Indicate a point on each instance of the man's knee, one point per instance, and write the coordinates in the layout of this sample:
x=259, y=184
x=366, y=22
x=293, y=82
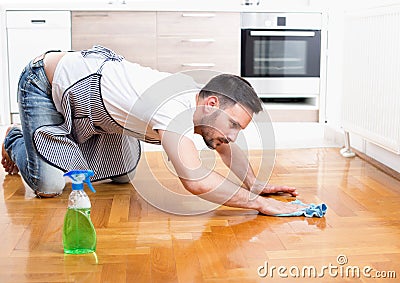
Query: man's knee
x=51, y=184
x=51, y=188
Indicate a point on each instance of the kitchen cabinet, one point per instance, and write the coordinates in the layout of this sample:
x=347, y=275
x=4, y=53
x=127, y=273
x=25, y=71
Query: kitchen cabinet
x=131, y=34
x=194, y=40
x=29, y=34
x=167, y=41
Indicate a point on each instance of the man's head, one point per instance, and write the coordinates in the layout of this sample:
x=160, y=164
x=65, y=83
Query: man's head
x=231, y=89
x=227, y=104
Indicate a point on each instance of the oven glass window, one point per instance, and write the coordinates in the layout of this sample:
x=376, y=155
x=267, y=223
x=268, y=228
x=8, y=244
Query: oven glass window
x=280, y=56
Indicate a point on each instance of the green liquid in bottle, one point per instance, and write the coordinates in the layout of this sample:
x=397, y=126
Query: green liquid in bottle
x=79, y=235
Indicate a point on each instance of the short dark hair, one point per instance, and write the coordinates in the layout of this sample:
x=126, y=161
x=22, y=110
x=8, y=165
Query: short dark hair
x=232, y=89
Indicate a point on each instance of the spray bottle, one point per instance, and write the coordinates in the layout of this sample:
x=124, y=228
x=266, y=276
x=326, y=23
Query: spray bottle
x=79, y=235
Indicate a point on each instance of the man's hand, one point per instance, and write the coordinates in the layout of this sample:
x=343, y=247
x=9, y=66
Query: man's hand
x=270, y=206
x=263, y=188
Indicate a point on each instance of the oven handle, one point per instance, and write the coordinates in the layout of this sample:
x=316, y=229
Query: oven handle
x=281, y=33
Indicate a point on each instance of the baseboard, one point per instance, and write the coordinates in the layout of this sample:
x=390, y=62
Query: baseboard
x=391, y=172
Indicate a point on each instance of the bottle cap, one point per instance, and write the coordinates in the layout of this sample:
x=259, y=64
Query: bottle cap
x=79, y=177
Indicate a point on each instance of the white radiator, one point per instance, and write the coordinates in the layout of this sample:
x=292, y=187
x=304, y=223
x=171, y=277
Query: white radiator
x=371, y=85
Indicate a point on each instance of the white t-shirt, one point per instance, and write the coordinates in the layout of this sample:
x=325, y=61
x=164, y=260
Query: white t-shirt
x=130, y=95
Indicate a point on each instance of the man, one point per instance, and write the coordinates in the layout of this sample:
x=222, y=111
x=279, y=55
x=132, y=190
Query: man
x=87, y=110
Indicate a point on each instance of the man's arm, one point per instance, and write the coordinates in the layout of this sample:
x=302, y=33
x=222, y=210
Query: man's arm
x=236, y=160
x=210, y=185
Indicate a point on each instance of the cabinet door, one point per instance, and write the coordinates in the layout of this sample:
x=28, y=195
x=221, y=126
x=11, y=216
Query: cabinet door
x=131, y=34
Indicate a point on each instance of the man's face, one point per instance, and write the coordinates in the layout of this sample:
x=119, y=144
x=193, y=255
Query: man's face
x=223, y=126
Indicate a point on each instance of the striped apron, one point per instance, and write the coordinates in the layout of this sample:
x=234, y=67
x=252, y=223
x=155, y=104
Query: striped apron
x=89, y=138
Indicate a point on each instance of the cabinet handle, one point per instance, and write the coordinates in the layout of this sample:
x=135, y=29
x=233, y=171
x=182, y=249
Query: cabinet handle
x=198, y=65
x=92, y=15
x=198, y=15
x=200, y=40
x=38, y=21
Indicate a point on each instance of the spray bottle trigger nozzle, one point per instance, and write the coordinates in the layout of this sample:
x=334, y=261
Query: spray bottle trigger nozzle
x=79, y=177
x=89, y=184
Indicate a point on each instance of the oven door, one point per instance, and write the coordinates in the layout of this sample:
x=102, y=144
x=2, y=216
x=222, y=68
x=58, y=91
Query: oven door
x=280, y=53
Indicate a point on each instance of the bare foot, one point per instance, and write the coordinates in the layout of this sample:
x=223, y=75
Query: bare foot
x=8, y=164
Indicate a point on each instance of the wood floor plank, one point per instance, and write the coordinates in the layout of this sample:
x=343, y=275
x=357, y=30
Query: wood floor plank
x=120, y=209
x=138, y=268
x=100, y=212
x=163, y=266
x=113, y=272
x=9, y=237
x=226, y=243
x=187, y=262
x=211, y=263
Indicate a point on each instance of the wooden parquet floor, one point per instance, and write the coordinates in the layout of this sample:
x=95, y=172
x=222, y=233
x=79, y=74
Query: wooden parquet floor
x=139, y=243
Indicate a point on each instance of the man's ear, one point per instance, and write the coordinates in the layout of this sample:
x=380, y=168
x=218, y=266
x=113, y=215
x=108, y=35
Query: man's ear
x=211, y=103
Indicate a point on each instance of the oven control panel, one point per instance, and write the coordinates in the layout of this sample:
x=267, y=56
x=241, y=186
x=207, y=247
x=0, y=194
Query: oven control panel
x=281, y=20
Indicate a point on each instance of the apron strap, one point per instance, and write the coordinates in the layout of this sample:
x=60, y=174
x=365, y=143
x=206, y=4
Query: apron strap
x=108, y=54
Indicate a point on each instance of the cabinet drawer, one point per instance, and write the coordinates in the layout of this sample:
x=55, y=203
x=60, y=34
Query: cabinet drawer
x=38, y=19
x=219, y=65
x=114, y=23
x=197, y=23
x=198, y=47
x=131, y=34
x=173, y=64
x=133, y=49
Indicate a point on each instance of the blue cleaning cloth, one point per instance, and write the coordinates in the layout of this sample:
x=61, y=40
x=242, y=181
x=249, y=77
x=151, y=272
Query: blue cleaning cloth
x=309, y=210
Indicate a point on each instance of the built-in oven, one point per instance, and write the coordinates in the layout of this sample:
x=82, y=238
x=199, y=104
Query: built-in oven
x=281, y=55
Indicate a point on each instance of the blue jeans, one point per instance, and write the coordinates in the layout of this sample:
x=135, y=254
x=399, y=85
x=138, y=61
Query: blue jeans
x=36, y=108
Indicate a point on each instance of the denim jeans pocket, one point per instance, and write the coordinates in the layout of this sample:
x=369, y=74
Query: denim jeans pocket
x=40, y=82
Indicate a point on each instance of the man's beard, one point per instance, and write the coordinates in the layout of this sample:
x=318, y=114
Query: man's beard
x=212, y=143
x=206, y=133
x=207, y=129
x=209, y=143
